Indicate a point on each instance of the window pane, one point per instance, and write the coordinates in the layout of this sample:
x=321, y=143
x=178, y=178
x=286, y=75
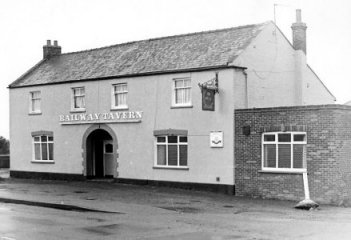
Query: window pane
x=284, y=156
x=179, y=96
x=298, y=152
x=172, y=155
x=186, y=95
x=51, y=138
x=269, y=138
x=35, y=105
x=285, y=137
x=179, y=83
x=172, y=139
x=51, y=151
x=299, y=137
x=36, y=139
x=79, y=102
x=187, y=83
x=43, y=138
x=120, y=88
x=161, y=155
x=183, y=155
x=37, y=151
x=44, y=151
x=108, y=148
x=183, y=139
x=269, y=155
x=161, y=139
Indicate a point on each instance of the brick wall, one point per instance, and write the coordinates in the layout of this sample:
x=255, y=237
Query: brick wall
x=328, y=153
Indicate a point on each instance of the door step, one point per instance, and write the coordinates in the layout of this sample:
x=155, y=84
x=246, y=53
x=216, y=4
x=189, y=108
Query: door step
x=108, y=180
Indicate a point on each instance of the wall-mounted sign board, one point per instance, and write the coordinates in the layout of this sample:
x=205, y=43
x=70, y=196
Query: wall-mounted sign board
x=216, y=139
x=111, y=117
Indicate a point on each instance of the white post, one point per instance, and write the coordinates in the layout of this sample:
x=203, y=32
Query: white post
x=305, y=186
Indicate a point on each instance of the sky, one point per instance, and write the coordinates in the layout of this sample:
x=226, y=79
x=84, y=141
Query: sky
x=25, y=25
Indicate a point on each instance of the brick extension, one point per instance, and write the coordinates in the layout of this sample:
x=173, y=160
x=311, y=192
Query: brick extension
x=328, y=153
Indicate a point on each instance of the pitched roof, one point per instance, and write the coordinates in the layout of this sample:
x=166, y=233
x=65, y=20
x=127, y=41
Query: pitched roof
x=167, y=54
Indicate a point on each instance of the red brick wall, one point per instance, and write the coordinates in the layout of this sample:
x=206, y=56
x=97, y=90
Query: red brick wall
x=328, y=153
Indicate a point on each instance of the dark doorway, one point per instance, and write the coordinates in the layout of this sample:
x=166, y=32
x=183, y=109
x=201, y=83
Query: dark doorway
x=95, y=153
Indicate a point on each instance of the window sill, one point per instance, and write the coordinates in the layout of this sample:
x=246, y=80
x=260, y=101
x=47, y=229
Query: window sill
x=34, y=113
x=297, y=171
x=43, y=161
x=181, y=106
x=77, y=111
x=119, y=108
x=170, y=168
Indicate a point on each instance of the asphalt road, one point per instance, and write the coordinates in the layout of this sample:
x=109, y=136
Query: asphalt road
x=143, y=212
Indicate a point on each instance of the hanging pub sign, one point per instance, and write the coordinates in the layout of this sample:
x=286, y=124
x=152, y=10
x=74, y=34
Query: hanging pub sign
x=208, y=99
x=208, y=91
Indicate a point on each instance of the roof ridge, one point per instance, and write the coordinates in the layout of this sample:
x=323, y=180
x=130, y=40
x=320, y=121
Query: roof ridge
x=171, y=36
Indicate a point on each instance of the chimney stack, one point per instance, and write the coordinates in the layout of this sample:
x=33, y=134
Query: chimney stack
x=51, y=50
x=299, y=32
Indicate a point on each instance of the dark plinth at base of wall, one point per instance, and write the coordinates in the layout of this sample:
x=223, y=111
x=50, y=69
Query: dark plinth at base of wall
x=47, y=176
x=220, y=188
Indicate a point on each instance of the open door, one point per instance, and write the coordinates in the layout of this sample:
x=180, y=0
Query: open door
x=108, y=158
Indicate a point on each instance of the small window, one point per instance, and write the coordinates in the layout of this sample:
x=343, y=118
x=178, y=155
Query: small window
x=35, y=102
x=182, y=92
x=171, y=151
x=78, y=99
x=108, y=148
x=283, y=151
x=119, y=96
x=43, y=148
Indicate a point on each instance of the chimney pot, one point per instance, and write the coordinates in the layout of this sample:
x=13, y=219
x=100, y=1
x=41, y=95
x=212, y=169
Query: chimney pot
x=298, y=15
x=51, y=50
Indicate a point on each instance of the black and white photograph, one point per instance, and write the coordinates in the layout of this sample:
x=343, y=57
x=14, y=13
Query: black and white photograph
x=175, y=119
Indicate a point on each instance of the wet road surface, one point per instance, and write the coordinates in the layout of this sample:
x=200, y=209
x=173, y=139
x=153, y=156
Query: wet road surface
x=143, y=212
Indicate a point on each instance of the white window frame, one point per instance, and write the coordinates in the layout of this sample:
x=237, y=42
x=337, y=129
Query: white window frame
x=41, y=152
x=31, y=100
x=174, y=88
x=114, y=94
x=73, y=108
x=166, y=143
x=291, y=143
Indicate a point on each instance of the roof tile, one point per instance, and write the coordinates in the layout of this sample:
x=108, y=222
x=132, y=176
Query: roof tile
x=181, y=52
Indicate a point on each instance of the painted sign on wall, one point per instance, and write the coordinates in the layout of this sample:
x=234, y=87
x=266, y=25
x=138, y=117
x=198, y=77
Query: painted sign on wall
x=111, y=117
x=216, y=139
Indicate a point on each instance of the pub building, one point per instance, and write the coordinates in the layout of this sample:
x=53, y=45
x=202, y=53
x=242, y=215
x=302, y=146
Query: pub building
x=157, y=111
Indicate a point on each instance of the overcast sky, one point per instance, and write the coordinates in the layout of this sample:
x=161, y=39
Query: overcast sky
x=25, y=26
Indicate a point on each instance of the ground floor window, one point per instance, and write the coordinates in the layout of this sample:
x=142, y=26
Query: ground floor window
x=284, y=151
x=43, y=147
x=171, y=151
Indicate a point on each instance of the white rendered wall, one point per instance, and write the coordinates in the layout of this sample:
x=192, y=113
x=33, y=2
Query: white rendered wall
x=152, y=95
x=270, y=61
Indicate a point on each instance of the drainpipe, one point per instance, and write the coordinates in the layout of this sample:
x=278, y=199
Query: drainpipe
x=246, y=90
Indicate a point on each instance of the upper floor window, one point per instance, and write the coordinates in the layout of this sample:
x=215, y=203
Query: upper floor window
x=284, y=151
x=43, y=146
x=119, y=96
x=181, y=92
x=35, y=102
x=78, y=98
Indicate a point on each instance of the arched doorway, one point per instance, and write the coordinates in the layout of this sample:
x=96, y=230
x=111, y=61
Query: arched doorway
x=100, y=152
